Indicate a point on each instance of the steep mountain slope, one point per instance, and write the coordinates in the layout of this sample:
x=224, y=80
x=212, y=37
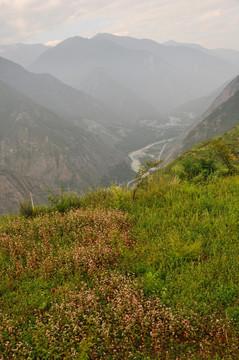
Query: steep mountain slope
x=163, y=76
x=53, y=94
x=200, y=107
x=120, y=98
x=226, y=93
x=14, y=187
x=39, y=145
x=221, y=116
x=229, y=55
x=23, y=54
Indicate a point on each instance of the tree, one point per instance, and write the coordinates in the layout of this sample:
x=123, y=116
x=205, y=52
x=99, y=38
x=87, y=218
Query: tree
x=197, y=165
x=144, y=172
x=224, y=152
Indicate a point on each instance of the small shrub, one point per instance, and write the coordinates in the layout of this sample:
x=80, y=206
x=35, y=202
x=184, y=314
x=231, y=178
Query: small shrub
x=40, y=209
x=63, y=201
x=25, y=208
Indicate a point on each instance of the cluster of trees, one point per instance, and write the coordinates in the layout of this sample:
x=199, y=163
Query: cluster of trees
x=195, y=165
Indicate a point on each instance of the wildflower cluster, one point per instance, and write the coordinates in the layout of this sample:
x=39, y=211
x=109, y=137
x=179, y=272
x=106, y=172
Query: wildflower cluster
x=67, y=291
x=53, y=245
x=112, y=319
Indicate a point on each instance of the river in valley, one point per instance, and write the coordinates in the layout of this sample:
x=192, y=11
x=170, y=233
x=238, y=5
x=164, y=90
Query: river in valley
x=147, y=152
x=153, y=151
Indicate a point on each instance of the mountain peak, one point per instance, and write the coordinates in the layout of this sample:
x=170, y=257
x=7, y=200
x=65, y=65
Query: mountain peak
x=171, y=42
x=74, y=40
x=101, y=35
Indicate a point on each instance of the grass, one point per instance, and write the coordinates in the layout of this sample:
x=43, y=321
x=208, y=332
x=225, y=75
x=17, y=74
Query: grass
x=113, y=278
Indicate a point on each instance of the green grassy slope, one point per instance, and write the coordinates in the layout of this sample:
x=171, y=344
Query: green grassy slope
x=154, y=278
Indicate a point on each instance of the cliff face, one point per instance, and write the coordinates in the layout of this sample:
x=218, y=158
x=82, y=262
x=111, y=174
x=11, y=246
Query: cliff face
x=41, y=150
x=228, y=92
x=14, y=187
x=222, y=115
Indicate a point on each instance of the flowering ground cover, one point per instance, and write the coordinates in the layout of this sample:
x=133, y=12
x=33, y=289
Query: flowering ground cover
x=153, y=278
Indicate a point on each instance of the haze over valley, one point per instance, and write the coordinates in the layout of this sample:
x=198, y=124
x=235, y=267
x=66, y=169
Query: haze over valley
x=83, y=112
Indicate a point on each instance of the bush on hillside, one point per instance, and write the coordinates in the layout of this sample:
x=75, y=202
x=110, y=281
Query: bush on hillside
x=25, y=208
x=63, y=201
x=194, y=166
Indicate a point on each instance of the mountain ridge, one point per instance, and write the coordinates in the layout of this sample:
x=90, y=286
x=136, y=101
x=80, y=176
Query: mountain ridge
x=49, y=92
x=163, y=76
x=23, y=54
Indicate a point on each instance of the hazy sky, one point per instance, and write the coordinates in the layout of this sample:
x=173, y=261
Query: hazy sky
x=211, y=23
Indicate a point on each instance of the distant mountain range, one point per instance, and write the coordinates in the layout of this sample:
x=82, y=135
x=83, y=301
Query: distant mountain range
x=163, y=76
x=23, y=54
x=86, y=103
x=49, y=92
x=229, y=55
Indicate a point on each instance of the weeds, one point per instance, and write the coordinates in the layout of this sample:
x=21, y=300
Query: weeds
x=151, y=278
x=25, y=208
